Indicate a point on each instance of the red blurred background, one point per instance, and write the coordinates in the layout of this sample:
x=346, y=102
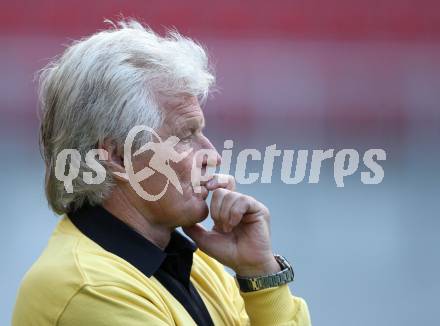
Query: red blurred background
x=360, y=61
x=310, y=74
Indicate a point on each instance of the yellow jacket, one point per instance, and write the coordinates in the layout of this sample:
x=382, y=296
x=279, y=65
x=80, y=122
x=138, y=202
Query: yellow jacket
x=77, y=282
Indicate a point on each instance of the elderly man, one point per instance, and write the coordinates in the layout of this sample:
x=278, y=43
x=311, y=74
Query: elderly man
x=116, y=258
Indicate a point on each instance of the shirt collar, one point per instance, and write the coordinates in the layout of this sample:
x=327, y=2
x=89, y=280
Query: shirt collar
x=118, y=238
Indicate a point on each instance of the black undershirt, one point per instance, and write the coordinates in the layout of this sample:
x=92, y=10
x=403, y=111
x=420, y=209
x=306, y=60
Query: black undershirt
x=171, y=267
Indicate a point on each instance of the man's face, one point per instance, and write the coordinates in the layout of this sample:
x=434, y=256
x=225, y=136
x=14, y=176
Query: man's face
x=183, y=118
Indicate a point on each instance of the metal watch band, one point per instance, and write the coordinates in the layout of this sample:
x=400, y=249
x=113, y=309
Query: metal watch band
x=286, y=275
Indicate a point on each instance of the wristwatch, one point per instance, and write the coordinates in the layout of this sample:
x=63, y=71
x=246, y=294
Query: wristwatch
x=286, y=275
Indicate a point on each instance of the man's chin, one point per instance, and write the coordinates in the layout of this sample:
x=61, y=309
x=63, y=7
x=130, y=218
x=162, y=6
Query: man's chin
x=197, y=214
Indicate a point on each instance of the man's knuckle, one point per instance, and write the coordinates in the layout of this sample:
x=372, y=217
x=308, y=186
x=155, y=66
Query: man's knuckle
x=229, y=195
x=217, y=193
x=223, y=191
x=236, y=211
x=265, y=209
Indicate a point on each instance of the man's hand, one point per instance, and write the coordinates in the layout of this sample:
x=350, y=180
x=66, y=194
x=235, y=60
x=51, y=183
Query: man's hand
x=240, y=238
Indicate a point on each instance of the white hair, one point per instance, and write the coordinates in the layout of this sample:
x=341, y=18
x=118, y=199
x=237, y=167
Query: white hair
x=105, y=84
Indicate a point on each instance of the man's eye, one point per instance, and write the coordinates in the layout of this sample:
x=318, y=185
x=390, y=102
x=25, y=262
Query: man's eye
x=186, y=139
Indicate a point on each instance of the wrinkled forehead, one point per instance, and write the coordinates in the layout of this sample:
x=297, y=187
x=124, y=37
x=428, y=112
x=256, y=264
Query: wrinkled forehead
x=171, y=102
x=183, y=112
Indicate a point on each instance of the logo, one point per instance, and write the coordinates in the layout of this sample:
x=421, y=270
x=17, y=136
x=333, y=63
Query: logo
x=163, y=153
x=346, y=164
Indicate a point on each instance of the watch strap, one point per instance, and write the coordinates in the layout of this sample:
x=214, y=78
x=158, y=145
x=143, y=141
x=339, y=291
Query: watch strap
x=286, y=275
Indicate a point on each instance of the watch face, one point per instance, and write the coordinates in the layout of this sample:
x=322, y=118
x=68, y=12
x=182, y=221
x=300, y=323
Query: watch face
x=282, y=261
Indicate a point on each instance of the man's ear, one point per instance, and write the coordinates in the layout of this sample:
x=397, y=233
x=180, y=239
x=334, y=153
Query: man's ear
x=115, y=161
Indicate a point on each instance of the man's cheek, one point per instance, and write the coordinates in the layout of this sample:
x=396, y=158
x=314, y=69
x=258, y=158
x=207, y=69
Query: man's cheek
x=183, y=169
x=154, y=184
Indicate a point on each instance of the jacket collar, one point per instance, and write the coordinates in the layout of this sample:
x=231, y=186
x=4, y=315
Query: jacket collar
x=118, y=238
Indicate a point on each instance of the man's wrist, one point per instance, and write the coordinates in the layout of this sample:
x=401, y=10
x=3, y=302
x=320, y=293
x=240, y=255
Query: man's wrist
x=270, y=266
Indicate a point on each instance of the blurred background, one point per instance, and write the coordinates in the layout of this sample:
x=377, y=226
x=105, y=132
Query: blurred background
x=300, y=74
